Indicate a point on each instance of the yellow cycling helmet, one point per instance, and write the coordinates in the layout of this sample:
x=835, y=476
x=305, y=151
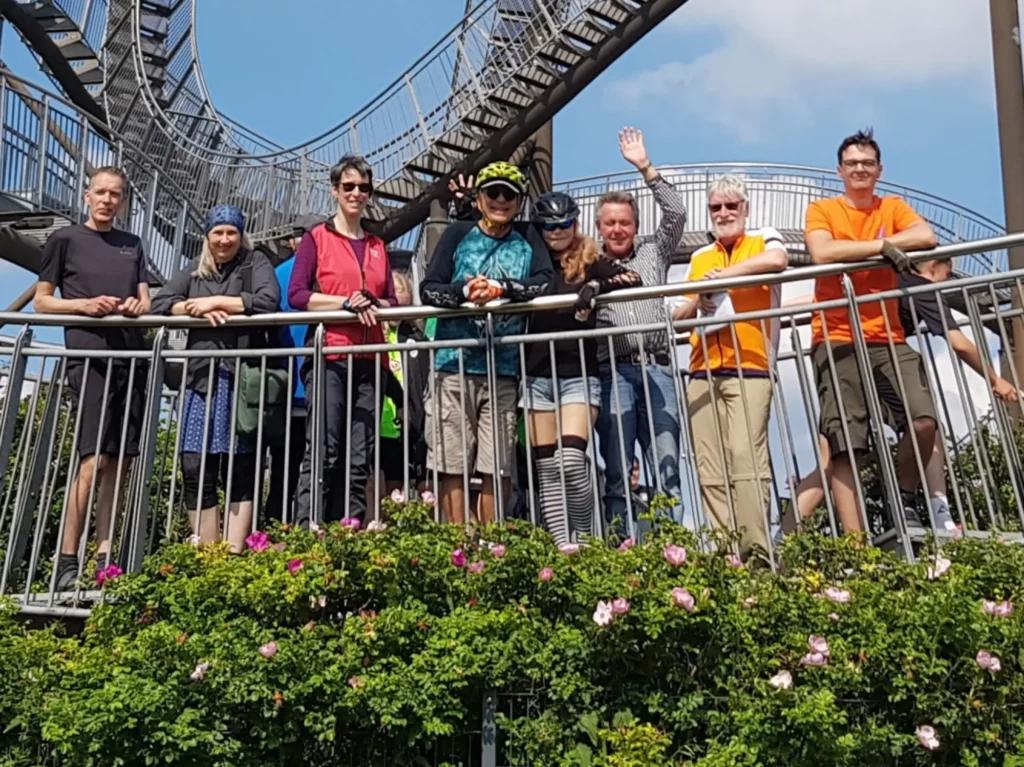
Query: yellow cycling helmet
x=503, y=174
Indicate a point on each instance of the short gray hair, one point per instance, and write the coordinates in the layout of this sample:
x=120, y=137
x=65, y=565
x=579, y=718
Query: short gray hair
x=618, y=197
x=728, y=185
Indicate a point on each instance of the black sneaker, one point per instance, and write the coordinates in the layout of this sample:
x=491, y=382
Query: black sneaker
x=67, y=573
x=908, y=499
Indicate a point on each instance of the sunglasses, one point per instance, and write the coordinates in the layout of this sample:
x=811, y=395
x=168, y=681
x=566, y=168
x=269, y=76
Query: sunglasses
x=351, y=186
x=730, y=206
x=502, y=192
x=555, y=227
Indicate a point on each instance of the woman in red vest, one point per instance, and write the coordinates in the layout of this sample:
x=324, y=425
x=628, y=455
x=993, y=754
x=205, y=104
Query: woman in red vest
x=340, y=266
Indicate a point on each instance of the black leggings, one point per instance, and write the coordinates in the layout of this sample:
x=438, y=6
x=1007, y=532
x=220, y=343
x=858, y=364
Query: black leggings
x=242, y=478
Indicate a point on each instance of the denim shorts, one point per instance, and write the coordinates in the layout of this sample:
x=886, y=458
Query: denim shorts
x=540, y=392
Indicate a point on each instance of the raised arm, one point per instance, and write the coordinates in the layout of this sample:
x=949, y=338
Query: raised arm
x=668, y=200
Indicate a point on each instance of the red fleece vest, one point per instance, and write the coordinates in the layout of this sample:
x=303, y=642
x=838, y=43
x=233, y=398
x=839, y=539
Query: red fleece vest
x=338, y=274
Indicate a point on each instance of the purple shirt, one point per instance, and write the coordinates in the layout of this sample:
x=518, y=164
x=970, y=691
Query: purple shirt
x=301, y=286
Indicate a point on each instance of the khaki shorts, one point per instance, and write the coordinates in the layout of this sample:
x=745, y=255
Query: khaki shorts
x=895, y=411
x=472, y=437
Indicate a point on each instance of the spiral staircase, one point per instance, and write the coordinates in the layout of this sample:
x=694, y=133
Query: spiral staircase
x=132, y=67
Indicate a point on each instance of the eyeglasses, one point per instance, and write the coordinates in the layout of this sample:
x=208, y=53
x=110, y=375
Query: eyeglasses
x=560, y=225
x=494, y=192
x=351, y=186
x=732, y=207
x=866, y=164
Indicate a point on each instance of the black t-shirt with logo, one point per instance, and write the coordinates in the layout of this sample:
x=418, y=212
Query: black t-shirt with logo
x=84, y=263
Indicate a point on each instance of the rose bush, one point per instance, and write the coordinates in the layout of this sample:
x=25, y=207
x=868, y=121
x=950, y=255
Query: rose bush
x=385, y=645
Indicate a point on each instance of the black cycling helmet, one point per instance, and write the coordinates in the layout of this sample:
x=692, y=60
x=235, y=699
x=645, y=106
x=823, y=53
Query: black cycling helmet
x=554, y=208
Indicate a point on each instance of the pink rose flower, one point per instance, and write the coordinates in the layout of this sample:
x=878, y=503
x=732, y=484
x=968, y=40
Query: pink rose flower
x=927, y=737
x=818, y=645
x=315, y=528
x=294, y=566
x=352, y=523
x=497, y=550
x=428, y=498
x=683, y=598
x=397, y=496
x=620, y=606
x=675, y=555
x=814, y=659
x=569, y=548
x=269, y=650
x=459, y=558
x=546, y=574
x=356, y=683
x=603, y=615
x=476, y=568
x=988, y=661
x=108, y=573
x=733, y=561
x=627, y=544
x=376, y=526
x=998, y=609
x=837, y=595
x=258, y=541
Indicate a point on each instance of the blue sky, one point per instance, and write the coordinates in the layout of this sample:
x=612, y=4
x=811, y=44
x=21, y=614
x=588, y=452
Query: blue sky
x=739, y=80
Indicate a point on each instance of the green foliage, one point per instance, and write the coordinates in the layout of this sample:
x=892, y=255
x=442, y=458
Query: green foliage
x=386, y=653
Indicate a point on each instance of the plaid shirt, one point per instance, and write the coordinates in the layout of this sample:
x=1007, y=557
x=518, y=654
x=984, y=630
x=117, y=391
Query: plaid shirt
x=652, y=261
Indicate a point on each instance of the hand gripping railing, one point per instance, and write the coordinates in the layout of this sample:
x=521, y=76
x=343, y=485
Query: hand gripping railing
x=39, y=453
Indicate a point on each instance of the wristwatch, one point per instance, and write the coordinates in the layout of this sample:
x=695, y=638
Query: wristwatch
x=645, y=168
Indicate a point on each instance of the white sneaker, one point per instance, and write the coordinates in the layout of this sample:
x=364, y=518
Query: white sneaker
x=943, y=519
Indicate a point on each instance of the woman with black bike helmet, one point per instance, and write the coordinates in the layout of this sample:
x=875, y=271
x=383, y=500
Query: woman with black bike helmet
x=568, y=509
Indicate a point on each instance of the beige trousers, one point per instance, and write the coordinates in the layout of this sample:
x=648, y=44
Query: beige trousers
x=733, y=426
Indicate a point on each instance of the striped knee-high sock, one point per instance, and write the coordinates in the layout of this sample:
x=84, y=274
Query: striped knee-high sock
x=549, y=488
x=579, y=490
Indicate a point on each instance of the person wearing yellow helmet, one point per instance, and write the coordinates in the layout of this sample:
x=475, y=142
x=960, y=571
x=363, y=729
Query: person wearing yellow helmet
x=470, y=425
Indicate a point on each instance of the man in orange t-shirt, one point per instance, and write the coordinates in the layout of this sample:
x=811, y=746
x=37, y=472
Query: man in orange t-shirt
x=854, y=227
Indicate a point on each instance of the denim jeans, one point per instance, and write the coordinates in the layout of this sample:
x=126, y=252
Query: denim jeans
x=661, y=452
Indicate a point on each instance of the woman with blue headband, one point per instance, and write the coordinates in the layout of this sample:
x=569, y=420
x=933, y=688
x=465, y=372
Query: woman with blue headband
x=228, y=278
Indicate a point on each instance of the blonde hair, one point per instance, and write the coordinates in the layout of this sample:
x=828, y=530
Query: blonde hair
x=578, y=257
x=207, y=266
x=402, y=284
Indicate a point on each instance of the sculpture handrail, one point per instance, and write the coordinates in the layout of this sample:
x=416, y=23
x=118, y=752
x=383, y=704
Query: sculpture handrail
x=546, y=302
x=605, y=179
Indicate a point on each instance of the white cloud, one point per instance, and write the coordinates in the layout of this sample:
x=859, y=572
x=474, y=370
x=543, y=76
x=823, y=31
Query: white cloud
x=784, y=57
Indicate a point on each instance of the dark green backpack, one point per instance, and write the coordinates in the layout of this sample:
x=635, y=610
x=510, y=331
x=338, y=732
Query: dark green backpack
x=248, y=410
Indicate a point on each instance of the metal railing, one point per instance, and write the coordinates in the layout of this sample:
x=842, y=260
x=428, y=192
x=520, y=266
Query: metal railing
x=49, y=149
x=152, y=396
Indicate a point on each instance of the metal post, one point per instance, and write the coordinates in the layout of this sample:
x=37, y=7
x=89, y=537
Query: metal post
x=44, y=124
x=419, y=112
x=1009, y=82
x=12, y=397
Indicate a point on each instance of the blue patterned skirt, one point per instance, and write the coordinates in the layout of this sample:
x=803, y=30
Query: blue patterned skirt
x=218, y=438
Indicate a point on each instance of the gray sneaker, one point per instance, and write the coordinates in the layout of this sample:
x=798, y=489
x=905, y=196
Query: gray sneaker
x=67, y=573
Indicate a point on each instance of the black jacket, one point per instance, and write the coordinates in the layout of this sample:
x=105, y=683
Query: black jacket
x=263, y=296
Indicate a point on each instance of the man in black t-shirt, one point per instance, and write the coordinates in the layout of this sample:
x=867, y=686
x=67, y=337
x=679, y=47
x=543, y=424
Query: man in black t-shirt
x=99, y=271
